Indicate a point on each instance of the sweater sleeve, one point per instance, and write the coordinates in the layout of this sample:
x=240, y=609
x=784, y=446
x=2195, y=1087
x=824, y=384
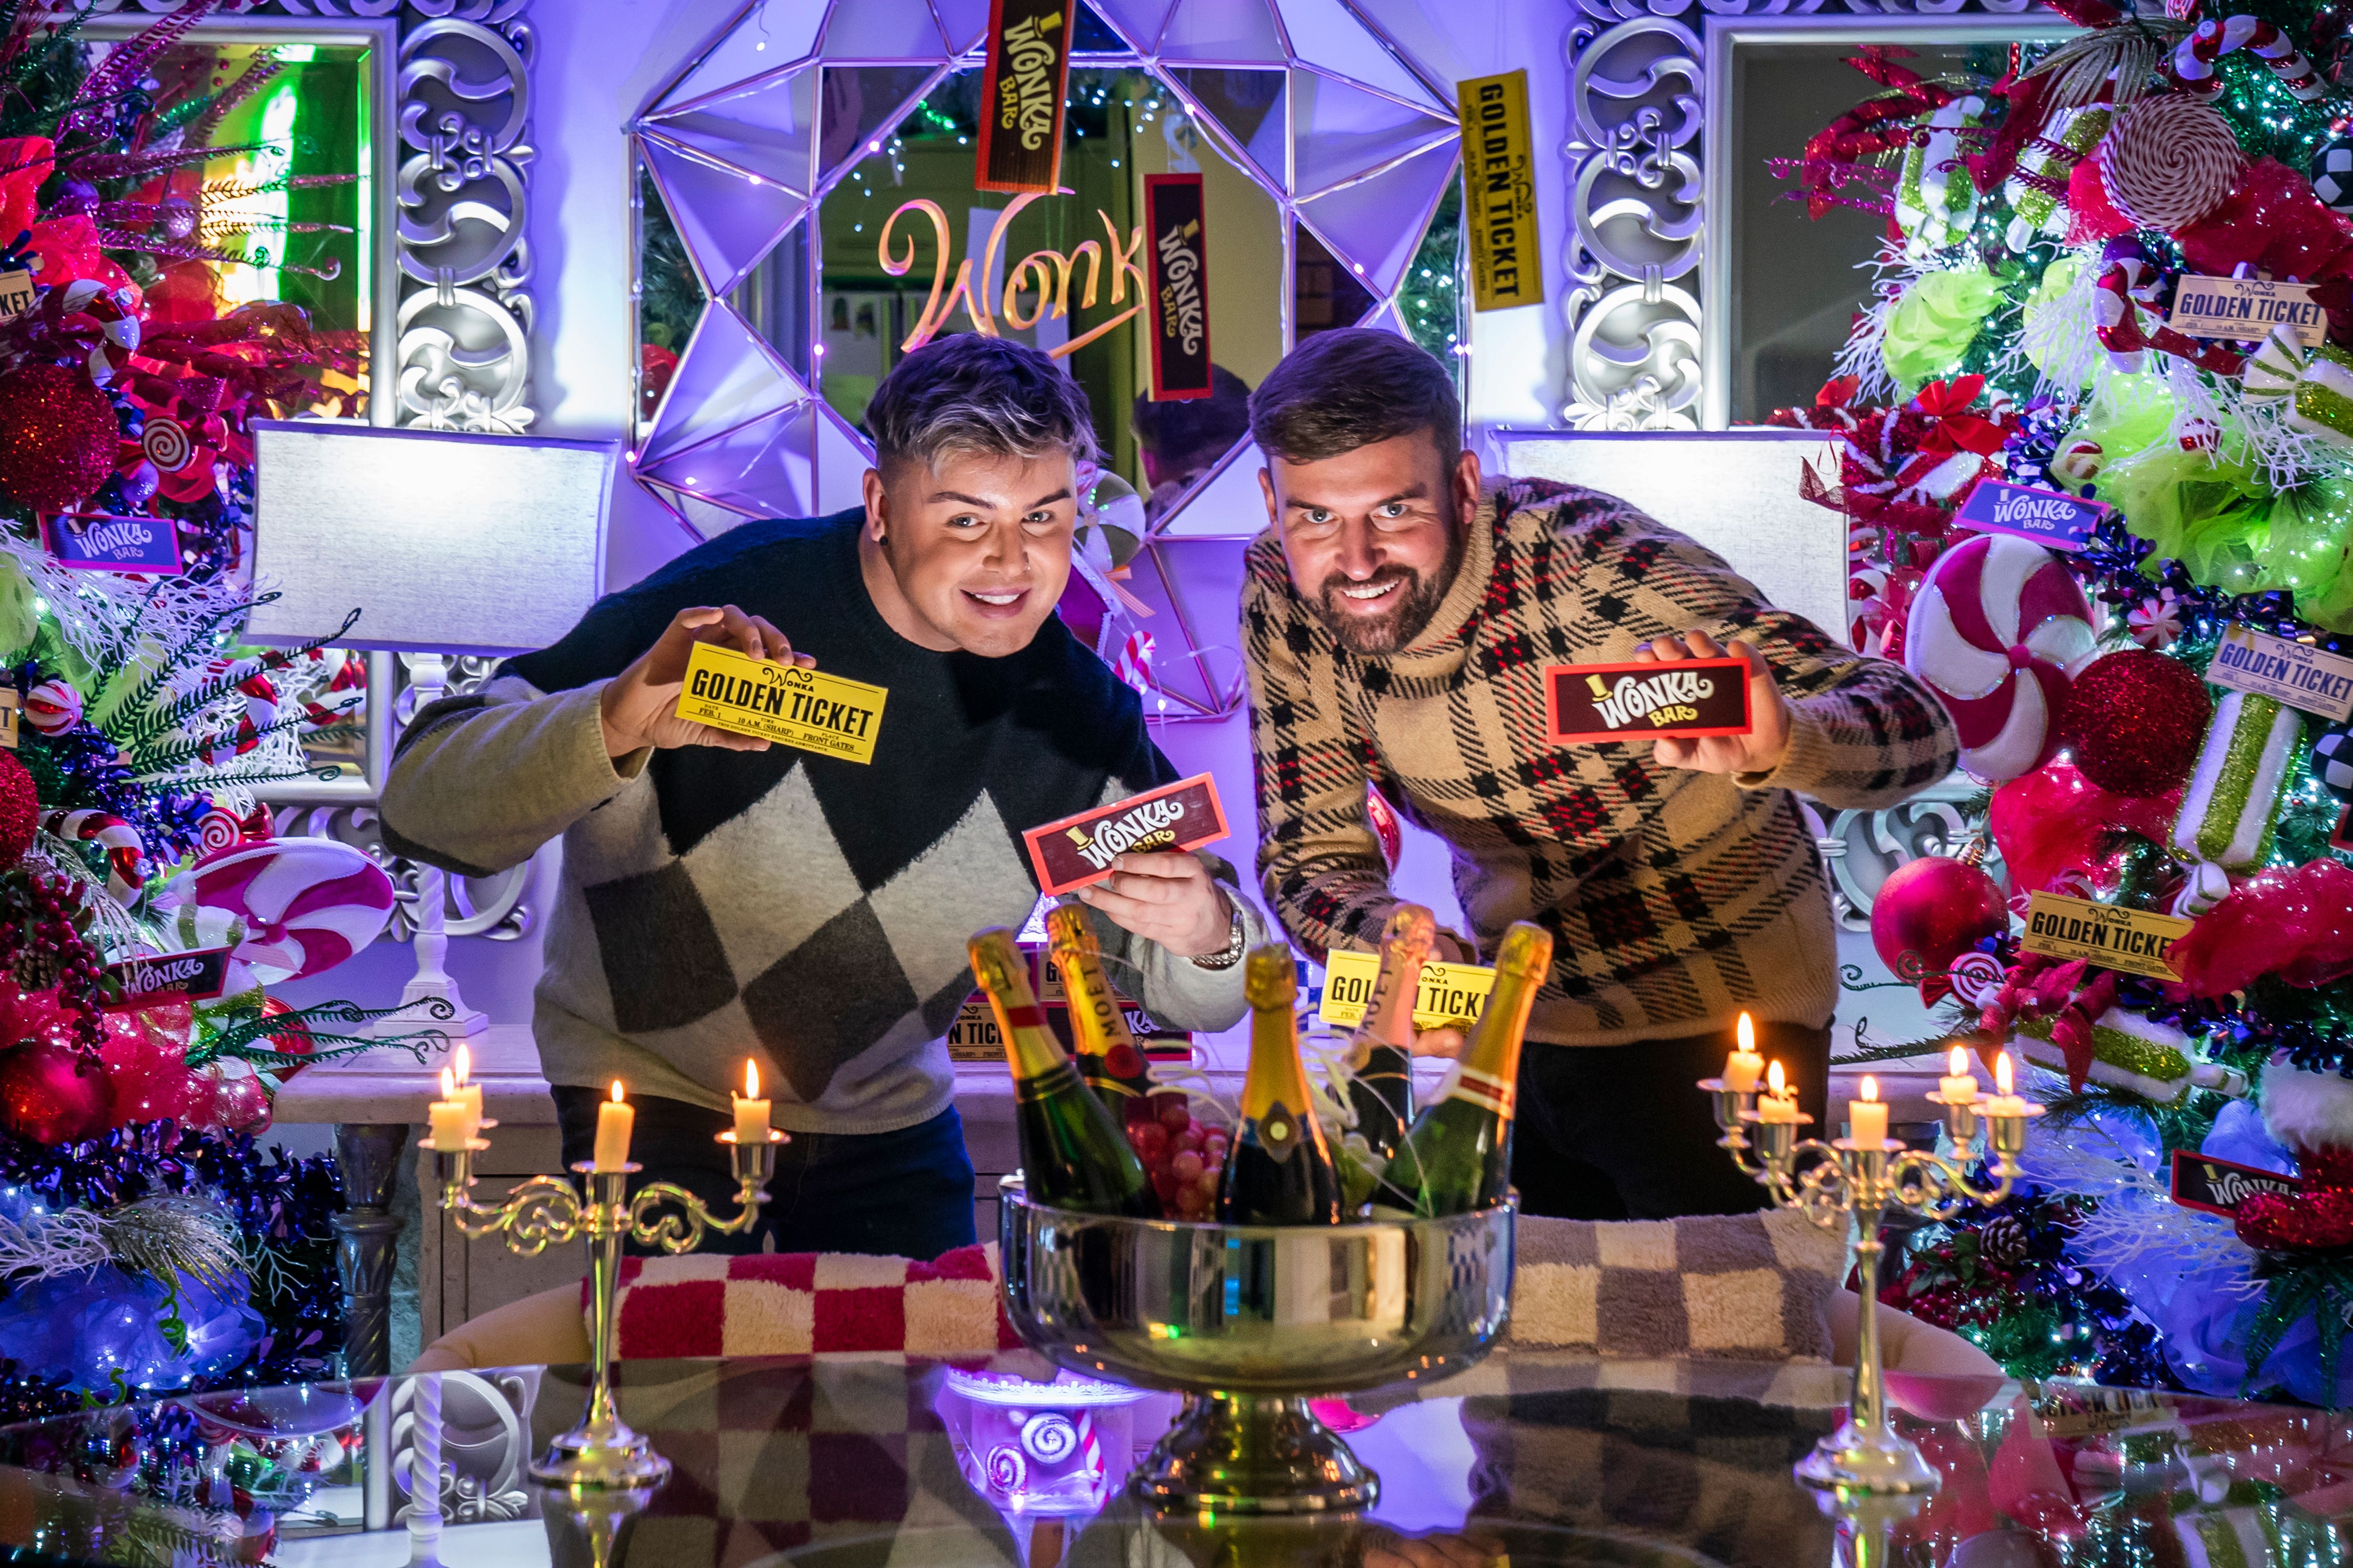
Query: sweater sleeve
x=481, y=781
x=1319, y=862
x=1863, y=733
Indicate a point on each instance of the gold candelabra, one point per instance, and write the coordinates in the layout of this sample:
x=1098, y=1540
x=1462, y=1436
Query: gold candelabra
x=601, y=1454
x=1848, y=1181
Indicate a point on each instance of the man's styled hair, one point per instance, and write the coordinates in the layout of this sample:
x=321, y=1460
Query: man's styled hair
x=1197, y=430
x=972, y=393
x=1349, y=388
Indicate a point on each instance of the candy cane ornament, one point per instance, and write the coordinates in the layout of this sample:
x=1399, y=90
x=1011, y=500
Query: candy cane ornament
x=126, y=852
x=2116, y=323
x=52, y=707
x=2192, y=67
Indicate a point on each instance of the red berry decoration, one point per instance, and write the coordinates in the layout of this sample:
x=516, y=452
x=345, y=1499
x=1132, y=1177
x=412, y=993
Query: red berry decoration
x=2133, y=721
x=57, y=435
x=1930, y=912
x=20, y=810
x=54, y=1094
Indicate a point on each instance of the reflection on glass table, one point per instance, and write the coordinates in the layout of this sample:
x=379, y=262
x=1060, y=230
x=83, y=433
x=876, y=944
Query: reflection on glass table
x=1531, y=1458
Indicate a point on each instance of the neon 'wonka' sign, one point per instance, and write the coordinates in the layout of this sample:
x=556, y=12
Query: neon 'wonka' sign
x=1051, y=269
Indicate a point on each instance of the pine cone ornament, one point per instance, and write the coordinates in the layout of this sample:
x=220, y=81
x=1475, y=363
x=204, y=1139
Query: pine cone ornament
x=2002, y=1241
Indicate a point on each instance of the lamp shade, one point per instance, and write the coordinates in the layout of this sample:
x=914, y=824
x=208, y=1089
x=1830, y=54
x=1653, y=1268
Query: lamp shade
x=445, y=543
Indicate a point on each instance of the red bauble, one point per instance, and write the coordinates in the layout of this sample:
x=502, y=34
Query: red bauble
x=20, y=810
x=57, y=437
x=294, y=1041
x=53, y=1095
x=2133, y=721
x=1932, y=910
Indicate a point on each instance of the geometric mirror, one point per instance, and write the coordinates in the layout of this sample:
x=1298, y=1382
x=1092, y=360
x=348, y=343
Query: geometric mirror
x=808, y=176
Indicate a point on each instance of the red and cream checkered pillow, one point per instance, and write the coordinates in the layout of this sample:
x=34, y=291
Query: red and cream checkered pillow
x=810, y=1303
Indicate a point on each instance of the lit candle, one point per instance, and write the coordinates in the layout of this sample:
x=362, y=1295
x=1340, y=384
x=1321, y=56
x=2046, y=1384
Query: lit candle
x=461, y=1065
x=451, y=1131
x=1780, y=1101
x=1866, y=1119
x=2004, y=1103
x=1960, y=1085
x=615, y=1117
x=751, y=1110
x=1743, y=1066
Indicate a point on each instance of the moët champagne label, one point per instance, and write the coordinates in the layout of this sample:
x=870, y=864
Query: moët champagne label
x=2109, y=936
x=1071, y=853
x=1450, y=995
x=1687, y=697
x=782, y=703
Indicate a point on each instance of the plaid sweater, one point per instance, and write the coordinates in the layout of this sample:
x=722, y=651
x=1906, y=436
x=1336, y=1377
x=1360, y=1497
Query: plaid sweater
x=1675, y=900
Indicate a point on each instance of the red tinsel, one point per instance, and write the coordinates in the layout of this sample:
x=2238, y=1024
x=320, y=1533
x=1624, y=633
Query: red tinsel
x=2273, y=222
x=2054, y=824
x=2295, y=922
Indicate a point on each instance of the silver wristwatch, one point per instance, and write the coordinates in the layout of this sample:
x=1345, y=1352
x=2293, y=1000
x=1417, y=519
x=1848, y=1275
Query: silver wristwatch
x=1231, y=953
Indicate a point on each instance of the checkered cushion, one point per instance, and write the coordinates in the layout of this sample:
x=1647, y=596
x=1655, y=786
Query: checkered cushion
x=811, y=1303
x=1753, y=1287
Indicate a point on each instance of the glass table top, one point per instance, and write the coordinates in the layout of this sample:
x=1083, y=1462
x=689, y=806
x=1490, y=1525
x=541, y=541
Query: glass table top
x=1527, y=1460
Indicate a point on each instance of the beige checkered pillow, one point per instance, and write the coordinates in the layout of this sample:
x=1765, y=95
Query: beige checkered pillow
x=1753, y=1287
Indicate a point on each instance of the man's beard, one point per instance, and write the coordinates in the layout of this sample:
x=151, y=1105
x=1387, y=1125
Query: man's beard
x=1412, y=605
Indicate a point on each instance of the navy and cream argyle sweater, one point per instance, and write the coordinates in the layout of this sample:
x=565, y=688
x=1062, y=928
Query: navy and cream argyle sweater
x=805, y=910
x=1675, y=900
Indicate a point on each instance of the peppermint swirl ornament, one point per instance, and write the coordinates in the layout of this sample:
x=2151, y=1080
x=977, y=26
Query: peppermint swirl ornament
x=2169, y=161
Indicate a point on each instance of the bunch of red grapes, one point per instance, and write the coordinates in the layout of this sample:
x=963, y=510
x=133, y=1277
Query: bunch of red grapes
x=1183, y=1157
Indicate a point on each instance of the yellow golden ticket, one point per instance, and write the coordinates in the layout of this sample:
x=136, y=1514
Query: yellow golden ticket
x=2134, y=941
x=1451, y=995
x=784, y=703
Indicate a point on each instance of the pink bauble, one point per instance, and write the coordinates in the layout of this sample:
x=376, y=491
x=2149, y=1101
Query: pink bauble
x=1929, y=912
x=53, y=1095
x=1997, y=630
x=308, y=903
x=240, y=1100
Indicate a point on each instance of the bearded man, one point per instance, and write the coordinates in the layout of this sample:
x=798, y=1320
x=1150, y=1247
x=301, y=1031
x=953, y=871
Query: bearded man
x=1397, y=618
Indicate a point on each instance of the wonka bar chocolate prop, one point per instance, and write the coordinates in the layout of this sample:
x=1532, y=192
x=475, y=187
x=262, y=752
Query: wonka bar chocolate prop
x=1173, y=216
x=782, y=703
x=1078, y=850
x=1649, y=701
x=1024, y=94
x=165, y=978
x=2219, y=1186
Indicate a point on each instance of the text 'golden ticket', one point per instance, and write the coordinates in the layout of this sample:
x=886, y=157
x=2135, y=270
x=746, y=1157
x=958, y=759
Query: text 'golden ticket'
x=2137, y=941
x=784, y=703
x=1450, y=994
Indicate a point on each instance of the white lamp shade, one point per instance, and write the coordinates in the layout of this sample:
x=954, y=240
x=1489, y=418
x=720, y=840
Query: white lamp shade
x=445, y=543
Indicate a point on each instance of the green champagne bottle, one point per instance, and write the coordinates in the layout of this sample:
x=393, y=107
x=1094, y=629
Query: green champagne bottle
x=1073, y=1155
x=1380, y=1054
x=1279, y=1170
x=1107, y=1054
x=1459, y=1155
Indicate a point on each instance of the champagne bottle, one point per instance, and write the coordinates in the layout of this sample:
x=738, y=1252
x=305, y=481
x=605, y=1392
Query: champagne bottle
x=1279, y=1170
x=1073, y=1154
x=1107, y=1054
x=1380, y=1055
x=1459, y=1155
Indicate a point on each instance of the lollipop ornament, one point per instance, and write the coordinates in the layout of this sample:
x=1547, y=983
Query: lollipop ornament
x=1860, y=1179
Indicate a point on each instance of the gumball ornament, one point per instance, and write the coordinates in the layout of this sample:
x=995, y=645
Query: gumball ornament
x=2134, y=720
x=1931, y=910
x=57, y=437
x=1997, y=630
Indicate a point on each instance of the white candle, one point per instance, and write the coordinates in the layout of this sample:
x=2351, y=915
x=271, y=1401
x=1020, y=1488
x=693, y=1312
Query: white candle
x=2004, y=1103
x=1780, y=1099
x=615, y=1119
x=1743, y=1066
x=1866, y=1119
x=751, y=1110
x=1958, y=1086
x=461, y=1065
x=451, y=1131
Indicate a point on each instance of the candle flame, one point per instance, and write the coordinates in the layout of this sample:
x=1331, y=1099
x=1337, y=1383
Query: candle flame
x=2001, y=1071
x=1960, y=1062
x=751, y=1079
x=617, y=1092
x=463, y=1062
x=448, y=1088
x=1869, y=1087
x=1746, y=1033
x=1773, y=1077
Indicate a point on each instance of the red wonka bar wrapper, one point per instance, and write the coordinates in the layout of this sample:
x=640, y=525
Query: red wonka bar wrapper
x=1077, y=850
x=1684, y=697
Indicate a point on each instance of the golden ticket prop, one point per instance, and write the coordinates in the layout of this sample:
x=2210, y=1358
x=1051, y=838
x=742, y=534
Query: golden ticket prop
x=781, y=702
x=2134, y=941
x=2246, y=310
x=1450, y=994
x=2294, y=673
x=1499, y=192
